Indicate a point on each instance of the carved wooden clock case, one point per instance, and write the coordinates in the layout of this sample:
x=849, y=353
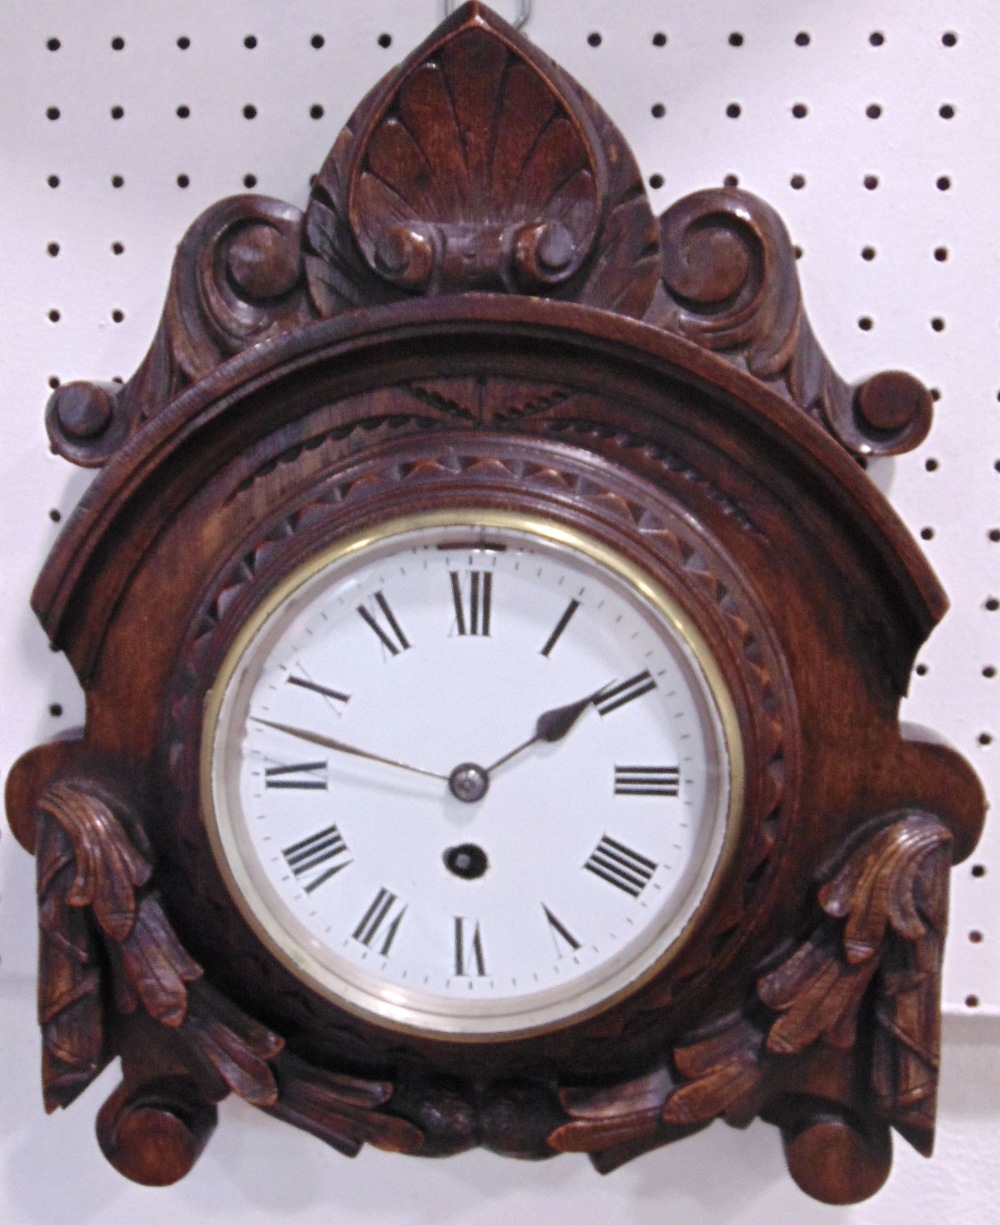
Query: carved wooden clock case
x=473, y=437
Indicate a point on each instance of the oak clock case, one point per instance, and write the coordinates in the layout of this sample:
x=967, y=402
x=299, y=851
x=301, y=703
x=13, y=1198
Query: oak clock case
x=380, y=820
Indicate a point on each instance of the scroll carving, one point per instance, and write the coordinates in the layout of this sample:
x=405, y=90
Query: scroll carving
x=731, y=286
x=878, y=943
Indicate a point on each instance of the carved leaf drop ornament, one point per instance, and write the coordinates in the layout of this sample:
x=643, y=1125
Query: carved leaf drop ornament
x=477, y=316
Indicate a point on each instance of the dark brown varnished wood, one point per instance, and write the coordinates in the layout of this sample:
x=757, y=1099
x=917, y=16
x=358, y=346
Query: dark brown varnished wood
x=478, y=309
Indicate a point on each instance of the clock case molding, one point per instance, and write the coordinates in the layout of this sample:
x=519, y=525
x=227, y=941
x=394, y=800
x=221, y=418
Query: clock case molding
x=478, y=308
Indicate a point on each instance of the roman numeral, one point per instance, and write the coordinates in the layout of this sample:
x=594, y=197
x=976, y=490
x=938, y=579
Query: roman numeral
x=374, y=922
x=468, y=951
x=472, y=610
x=620, y=866
x=627, y=691
x=648, y=780
x=335, y=694
x=560, y=932
x=305, y=776
x=316, y=854
x=561, y=624
x=384, y=625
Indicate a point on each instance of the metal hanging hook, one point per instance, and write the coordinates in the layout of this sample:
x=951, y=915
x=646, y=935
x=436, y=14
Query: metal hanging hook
x=519, y=22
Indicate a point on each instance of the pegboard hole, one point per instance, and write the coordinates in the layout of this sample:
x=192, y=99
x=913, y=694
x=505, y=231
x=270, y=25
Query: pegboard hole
x=866, y=323
x=926, y=533
x=800, y=110
x=52, y=113
x=249, y=112
x=985, y=739
x=944, y=183
x=54, y=381
x=118, y=43
x=656, y=181
x=385, y=40
x=736, y=39
x=183, y=112
x=797, y=252
x=250, y=42
x=594, y=39
x=868, y=253
x=931, y=465
x=991, y=605
x=978, y=870
x=184, y=42
x=972, y=1001
x=53, y=180
x=731, y=180
x=55, y=710
x=734, y=110
x=55, y=516
x=797, y=182
x=249, y=180
x=949, y=38
x=876, y=38
x=118, y=248
x=975, y=937
x=316, y=111
x=53, y=249
x=873, y=110
x=319, y=41
x=53, y=44
x=657, y=110
x=989, y=672
x=938, y=324
x=659, y=39
x=118, y=112
x=935, y=394
x=117, y=315
x=802, y=39
x=870, y=182
x=940, y=254
x=117, y=181
x=994, y=534
x=921, y=669
x=183, y=181
x=54, y=316
x=947, y=111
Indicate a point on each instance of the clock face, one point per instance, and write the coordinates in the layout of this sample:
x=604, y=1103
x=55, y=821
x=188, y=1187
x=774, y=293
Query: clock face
x=470, y=774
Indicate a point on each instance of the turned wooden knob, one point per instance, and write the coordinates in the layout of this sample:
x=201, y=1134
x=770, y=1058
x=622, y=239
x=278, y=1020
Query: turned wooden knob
x=836, y=1162
x=154, y=1134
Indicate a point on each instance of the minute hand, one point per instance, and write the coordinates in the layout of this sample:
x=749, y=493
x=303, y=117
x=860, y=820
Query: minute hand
x=551, y=726
x=328, y=742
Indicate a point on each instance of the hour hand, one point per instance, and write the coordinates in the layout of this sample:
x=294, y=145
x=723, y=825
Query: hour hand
x=328, y=742
x=552, y=725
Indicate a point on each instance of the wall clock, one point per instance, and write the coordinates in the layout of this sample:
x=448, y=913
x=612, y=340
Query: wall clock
x=493, y=652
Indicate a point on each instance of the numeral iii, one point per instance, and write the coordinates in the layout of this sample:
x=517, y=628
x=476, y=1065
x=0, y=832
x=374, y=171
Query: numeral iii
x=647, y=780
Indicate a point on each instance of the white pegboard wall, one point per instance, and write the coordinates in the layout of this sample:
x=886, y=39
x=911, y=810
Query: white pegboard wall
x=870, y=126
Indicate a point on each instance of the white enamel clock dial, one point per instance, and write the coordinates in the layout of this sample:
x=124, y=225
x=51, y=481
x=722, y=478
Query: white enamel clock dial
x=470, y=774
